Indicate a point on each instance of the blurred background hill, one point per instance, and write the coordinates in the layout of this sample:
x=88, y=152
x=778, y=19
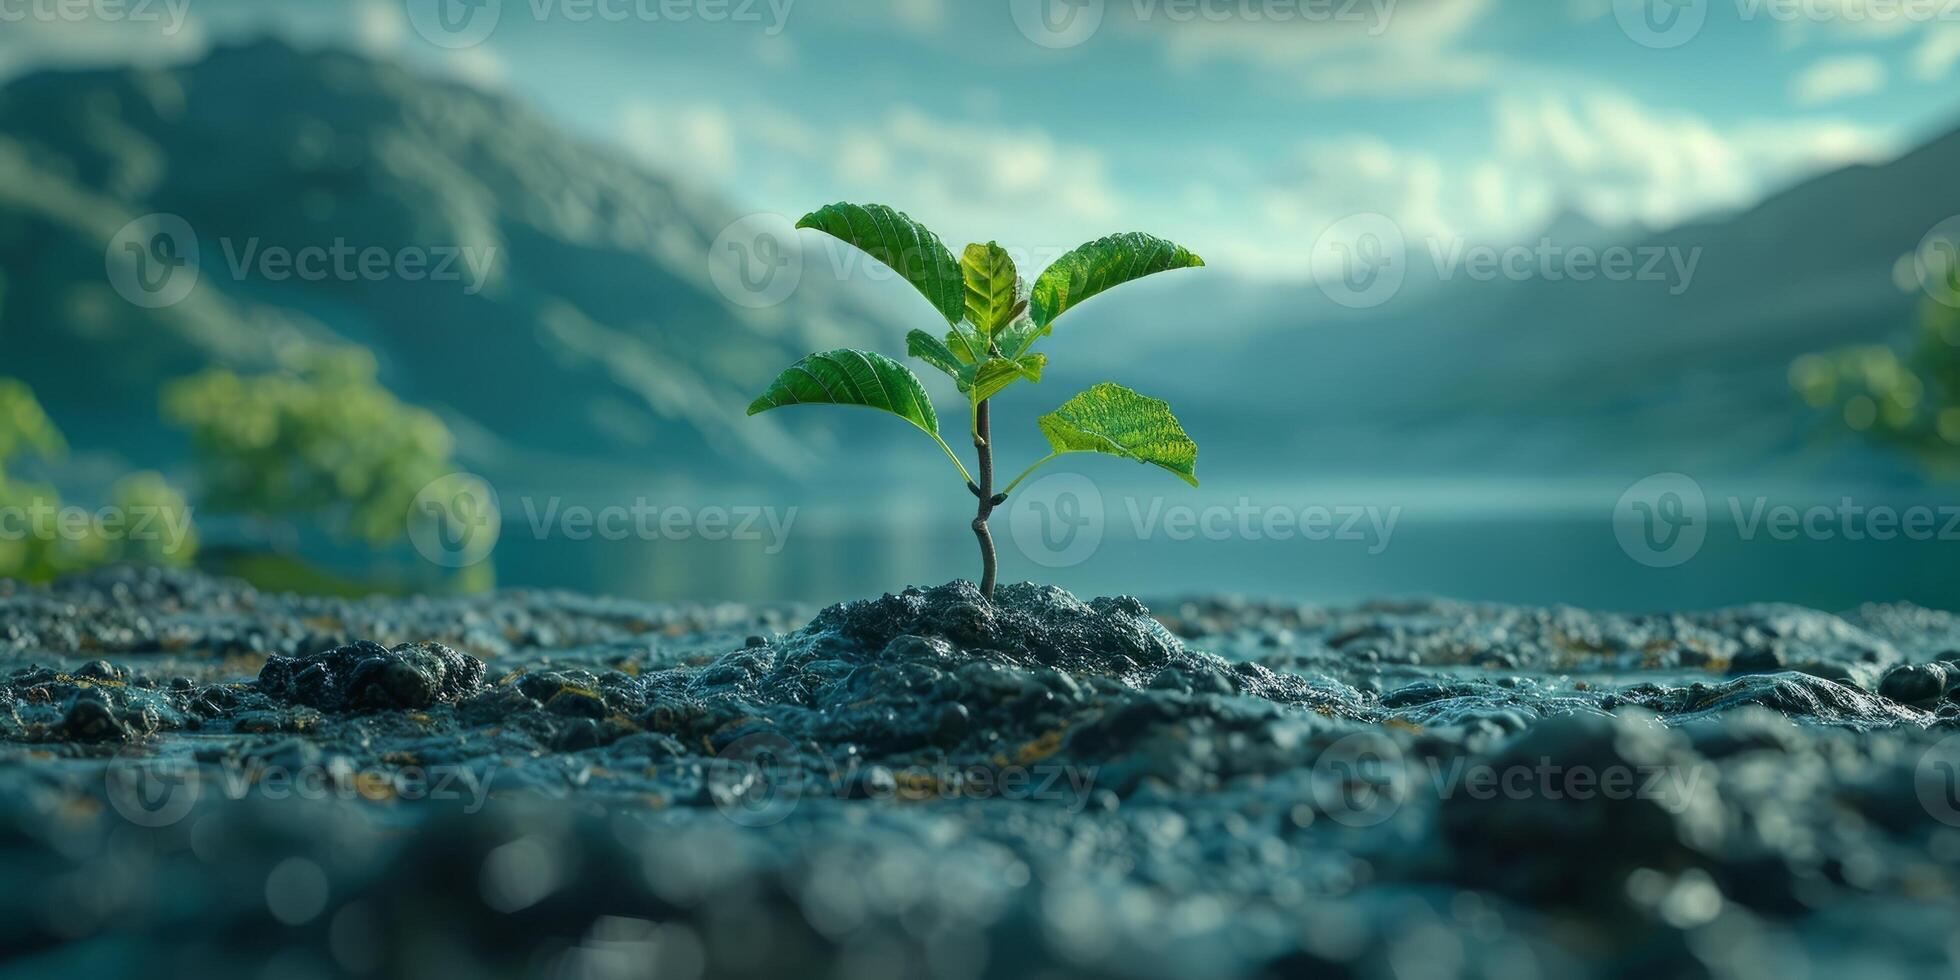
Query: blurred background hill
x=585, y=350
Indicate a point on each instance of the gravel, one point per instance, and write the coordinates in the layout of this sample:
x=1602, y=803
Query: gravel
x=196, y=777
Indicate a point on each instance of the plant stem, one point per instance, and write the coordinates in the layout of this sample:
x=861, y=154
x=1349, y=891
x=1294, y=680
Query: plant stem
x=964, y=475
x=989, y=563
x=1029, y=471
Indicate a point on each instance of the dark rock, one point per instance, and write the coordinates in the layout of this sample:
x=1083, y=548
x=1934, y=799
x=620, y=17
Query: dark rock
x=1566, y=788
x=1762, y=660
x=93, y=716
x=367, y=676
x=1921, y=685
x=101, y=670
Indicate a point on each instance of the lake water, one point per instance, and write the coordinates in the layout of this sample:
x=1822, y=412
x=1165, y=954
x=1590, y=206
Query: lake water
x=1545, y=553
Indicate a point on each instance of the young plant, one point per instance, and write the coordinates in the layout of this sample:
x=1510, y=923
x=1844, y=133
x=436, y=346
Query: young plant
x=995, y=320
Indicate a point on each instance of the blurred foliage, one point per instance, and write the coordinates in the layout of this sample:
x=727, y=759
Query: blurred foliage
x=319, y=439
x=25, y=431
x=146, y=521
x=168, y=537
x=24, y=428
x=1906, y=398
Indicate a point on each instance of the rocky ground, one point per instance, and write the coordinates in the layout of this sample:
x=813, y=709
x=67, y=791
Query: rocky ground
x=195, y=777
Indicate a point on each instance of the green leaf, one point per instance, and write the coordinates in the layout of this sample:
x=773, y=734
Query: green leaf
x=934, y=351
x=852, y=377
x=993, y=376
x=966, y=343
x=901, y=243
x=1100, y=265
x=1113, y=419
x=990, y=286
x=1017, y=337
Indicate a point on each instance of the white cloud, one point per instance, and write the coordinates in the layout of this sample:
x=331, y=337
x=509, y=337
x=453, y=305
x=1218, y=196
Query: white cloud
x=478, y=66
x=1626, y=162
x=166, y=34
x=1867, y=20
x=920, y=16
x=1367, y=48
x=1311, y=30
x=971, y=179
x=1605, y=154
x=1835, y=79
x=1937, y=53
x=379, y=26
x=696, y=141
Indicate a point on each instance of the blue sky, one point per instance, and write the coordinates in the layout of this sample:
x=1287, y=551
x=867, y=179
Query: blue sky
x=1240, y=127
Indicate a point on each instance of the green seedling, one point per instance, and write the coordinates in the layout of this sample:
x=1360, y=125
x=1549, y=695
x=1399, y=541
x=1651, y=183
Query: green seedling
x=995, y=320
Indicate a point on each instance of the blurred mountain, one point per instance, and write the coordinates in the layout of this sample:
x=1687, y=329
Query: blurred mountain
x=1546, y=375
x=598, y=347
x=597, y=338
